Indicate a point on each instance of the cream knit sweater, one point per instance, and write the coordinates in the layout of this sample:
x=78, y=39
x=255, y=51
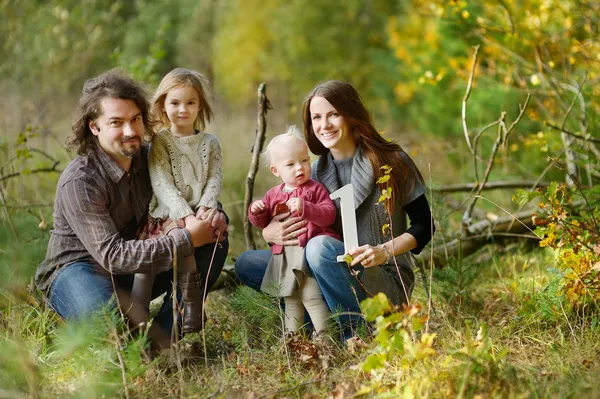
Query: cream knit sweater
x=185, y=173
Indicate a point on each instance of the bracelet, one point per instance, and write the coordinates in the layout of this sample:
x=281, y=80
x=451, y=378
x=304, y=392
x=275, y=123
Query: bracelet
x=387, y=252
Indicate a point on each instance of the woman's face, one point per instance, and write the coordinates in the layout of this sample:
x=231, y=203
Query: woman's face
x=331, y=128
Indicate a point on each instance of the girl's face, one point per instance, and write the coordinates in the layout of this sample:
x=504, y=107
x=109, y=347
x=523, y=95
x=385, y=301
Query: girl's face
x=290, y=162
x=331, y=128
x=182, y=105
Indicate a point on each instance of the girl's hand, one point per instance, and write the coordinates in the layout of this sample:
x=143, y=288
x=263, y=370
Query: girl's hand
x=214, y=217
x=368, y=256
x=257, y=207
x=284, y=232
x=295, y=204
x=201, y=231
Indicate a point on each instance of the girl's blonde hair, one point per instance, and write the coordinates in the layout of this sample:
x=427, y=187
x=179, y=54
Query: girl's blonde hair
x=291, y=132
x=183, y=77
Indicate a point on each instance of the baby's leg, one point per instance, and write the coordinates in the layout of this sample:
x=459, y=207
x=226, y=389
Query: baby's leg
x=141, y=292
x=312, y=298
x=294, y=311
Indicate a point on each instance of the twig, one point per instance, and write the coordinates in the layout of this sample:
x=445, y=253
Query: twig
x=466, y=98
x=175, y=330
x=474, y=150
x=429, y=300
x=28, y=206
x=205, y=293
x=565, y=131
x=495, y=185
x=117, y=343
x=501, y=138
x=8, y=218
x=263, y=106
x=32, y=172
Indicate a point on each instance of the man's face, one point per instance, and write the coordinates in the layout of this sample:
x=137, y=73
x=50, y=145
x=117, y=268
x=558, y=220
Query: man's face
x=120, y=129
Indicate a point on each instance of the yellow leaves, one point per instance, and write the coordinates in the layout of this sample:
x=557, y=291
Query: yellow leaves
x=386, y=194
x=385, y=228
x=386, y=169
x=383, y=179
x=403, y=92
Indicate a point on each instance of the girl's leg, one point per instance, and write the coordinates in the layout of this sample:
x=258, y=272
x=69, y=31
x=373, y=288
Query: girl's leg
x=141, y=292
x=315, y=305
x=203, y=257
x=341, y=290
x=294, y=311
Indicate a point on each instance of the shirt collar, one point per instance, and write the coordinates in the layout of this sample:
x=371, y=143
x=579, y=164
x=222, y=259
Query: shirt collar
x=114, y=170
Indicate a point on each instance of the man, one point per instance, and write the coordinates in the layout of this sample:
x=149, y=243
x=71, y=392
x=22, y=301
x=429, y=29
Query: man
x=102, y=199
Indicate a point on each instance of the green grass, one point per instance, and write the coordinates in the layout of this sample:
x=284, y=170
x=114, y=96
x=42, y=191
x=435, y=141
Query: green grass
x=531, y=350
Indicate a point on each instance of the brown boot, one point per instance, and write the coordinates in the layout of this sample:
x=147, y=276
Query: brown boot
x=190, y=285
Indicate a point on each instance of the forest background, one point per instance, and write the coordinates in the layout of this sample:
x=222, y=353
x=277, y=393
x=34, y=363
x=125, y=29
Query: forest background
x=463, y=87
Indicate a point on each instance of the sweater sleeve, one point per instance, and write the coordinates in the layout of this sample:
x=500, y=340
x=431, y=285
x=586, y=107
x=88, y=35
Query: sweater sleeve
x=163, y=183
x=261, y=220
x=421, y=222
x=322, y=211
x=212, y=189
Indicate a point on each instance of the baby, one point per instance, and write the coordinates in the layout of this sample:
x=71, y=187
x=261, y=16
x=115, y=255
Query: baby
x=287, y=271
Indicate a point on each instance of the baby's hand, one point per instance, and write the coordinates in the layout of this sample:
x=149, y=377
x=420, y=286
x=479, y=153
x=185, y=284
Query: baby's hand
x=295, y=204
x=257, y=207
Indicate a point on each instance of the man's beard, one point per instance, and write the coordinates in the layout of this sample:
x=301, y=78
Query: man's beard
x=133, y=151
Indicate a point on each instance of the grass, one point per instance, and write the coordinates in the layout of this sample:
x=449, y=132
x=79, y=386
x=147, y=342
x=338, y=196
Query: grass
x=531, y=349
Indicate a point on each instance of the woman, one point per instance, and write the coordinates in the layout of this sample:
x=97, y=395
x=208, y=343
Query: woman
x=338, y=128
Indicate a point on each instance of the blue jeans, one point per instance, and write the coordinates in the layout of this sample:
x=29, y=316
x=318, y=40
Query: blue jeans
x=82, y=288
x=341, y=290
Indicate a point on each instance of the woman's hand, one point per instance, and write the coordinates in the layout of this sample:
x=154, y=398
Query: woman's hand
x=368, y=256
x=282, y=231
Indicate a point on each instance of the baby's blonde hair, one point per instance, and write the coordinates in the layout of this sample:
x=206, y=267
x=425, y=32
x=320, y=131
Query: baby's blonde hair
x=179, y=77
x=291, y=132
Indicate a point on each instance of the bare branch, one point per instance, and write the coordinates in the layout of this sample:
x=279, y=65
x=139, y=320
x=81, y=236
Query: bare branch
x=32, y=172
x=263, y=106
x=495, y=185
x=466, y=98
x=565, y=131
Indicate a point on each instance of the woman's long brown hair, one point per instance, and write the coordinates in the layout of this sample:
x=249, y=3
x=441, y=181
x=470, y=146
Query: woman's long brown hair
x=348, y=103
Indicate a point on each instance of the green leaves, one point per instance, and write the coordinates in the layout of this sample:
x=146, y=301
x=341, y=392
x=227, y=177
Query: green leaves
x=375, y=306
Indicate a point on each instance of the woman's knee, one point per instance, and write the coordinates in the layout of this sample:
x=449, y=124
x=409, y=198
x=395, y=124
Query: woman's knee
x=322, y=251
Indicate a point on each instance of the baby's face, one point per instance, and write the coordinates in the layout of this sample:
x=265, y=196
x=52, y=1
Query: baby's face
x=290, y=161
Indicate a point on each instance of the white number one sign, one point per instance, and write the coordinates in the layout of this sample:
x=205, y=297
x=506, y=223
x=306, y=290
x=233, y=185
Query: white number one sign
x=346, y=196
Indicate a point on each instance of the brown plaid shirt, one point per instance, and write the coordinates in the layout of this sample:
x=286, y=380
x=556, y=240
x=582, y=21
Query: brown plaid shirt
x=97, y=211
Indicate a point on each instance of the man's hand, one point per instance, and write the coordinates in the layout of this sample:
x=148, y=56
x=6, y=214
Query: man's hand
x=258, y=207
x=286, y=232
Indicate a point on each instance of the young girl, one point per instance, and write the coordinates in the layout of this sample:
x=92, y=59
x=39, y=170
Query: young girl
x=185, y=170
x=288, y=272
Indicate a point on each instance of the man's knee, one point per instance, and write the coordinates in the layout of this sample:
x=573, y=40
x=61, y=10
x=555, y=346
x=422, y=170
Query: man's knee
x=79, y=290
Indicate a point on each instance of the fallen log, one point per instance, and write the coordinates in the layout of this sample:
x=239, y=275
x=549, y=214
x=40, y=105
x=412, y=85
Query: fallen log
x=482, y=233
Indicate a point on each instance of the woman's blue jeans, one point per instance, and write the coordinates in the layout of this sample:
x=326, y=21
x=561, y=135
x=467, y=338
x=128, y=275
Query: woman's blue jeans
x=341, y=290
x=82, y=288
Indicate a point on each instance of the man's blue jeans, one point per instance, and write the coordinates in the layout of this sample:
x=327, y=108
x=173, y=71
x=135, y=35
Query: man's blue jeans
x=341, y=290
x=83, y=287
